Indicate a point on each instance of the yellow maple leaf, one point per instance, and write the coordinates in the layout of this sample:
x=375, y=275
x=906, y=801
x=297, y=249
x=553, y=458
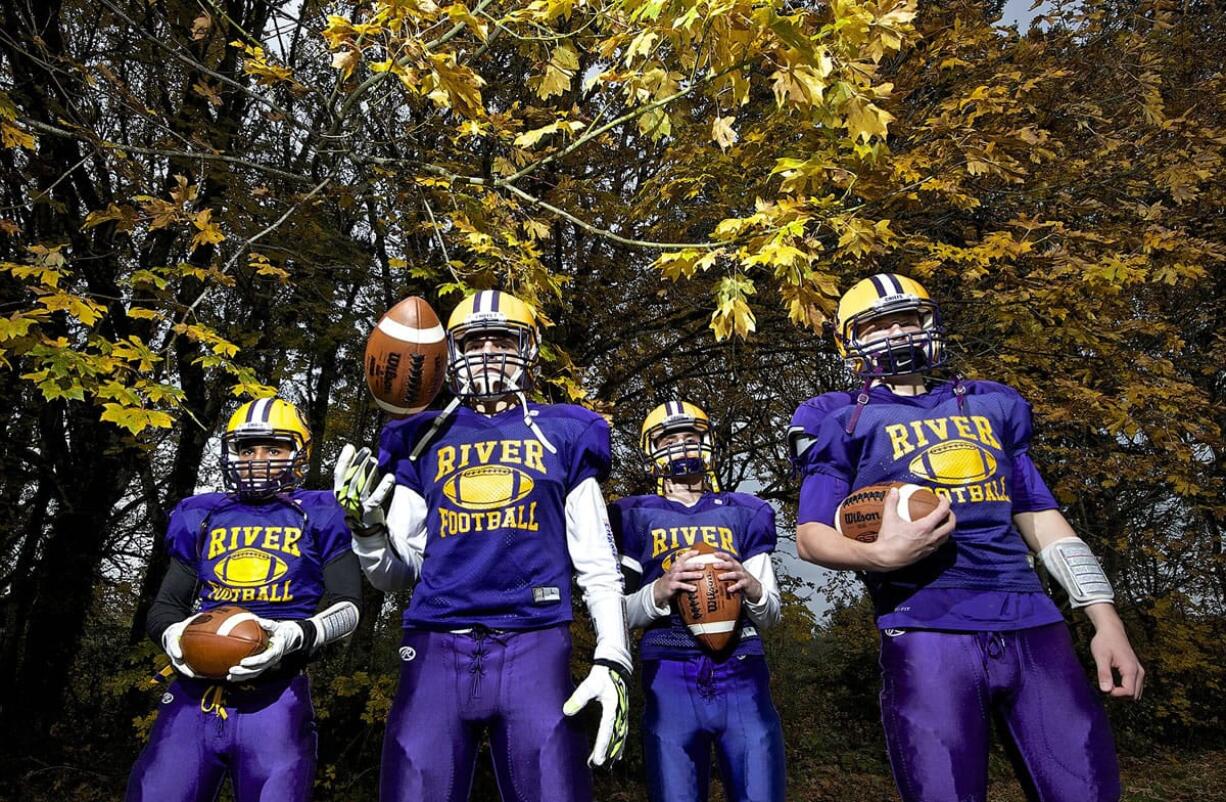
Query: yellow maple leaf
x=722, y=133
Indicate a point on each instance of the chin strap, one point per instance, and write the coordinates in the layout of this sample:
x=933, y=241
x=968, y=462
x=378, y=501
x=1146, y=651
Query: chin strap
x=530, y=422
x=435, y=425
x=861, y=403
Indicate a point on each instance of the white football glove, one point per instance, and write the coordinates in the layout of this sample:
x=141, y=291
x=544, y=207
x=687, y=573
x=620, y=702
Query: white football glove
x=284, y=637
x=170, y=644
x=607, y=686
x=353, y=483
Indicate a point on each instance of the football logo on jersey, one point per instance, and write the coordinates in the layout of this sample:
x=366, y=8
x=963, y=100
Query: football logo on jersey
x=250, y=565
x=487, y=487
x=250, y=568
x=956, y=455
x=954, y=462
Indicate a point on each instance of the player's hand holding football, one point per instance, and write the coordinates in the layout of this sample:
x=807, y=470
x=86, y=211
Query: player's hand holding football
x=284, y=637
x=170, y=644
x=900, y=543
x=741, y=579
x=607, y=686
x=357, y=486
x=676, y=579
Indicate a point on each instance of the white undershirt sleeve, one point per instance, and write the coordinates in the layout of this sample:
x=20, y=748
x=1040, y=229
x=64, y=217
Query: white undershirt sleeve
x=589, y=541
x=391, y=558
x=767, y=611
x=641, y=607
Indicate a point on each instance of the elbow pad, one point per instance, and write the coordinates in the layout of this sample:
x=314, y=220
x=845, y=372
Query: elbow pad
x=1072, y=564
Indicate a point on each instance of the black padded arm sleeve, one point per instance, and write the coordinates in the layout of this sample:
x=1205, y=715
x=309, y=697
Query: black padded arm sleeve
x=342, y=582
x=173, y=602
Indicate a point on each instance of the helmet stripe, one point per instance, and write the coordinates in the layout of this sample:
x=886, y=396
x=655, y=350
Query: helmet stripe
x=250, y=412
x=893, y=279
x=494, y=300
x=263, y=408
x=882, y=291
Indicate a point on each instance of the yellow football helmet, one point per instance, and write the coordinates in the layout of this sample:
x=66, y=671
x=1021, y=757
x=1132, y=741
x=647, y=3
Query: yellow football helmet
x=875, y=297
x=265, y=419
x=679, y=459
x=486, y=374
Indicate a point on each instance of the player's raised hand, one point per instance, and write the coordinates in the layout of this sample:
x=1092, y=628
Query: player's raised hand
x=608, y=687
x=900, y=543
x=676, y=579
x=356, y=484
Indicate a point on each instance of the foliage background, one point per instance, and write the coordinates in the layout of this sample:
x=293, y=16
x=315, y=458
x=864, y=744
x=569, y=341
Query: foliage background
x=201, y=201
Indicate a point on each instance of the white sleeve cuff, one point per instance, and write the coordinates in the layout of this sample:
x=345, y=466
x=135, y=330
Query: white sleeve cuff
x=641, y=607
x=766, y=611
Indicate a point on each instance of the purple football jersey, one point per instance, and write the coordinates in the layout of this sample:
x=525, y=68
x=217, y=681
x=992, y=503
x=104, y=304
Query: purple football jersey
x=973, y=451
x=652, y=530
x=496, y=551
x=266, y=557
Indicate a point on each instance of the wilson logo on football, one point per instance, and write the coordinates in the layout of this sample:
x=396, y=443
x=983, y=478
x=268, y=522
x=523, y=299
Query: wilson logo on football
x=487, y=487
x=956, y=462
x=249, y=568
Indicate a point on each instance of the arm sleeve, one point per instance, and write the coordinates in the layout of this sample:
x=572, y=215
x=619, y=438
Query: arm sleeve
x=820, y=496
x=822, y=456
x=392, y=559
x=394, y=447
x=174, y=600
x=338, y=615
x=1030, y=492
x=760, y=539
x=183, y=535
x=590, y=458
x=817, y=442
x=641, y=607
x=589, y=540
x=769, y=609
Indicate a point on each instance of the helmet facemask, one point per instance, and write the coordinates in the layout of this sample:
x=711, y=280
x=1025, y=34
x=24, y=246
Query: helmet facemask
x=262, y=478
x=482, y=374
x=683, y=458
x=903, y=353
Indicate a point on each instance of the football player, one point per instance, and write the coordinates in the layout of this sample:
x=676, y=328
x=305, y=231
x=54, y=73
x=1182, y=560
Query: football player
x=281, y=553
x=696, y=699
x=496, y=504
x=966, y=628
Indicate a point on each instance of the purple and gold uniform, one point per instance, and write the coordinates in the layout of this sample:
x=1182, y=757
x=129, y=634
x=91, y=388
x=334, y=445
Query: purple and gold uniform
x=966, y=629
x=695, y=700
x=268, y=557
x=487, y=643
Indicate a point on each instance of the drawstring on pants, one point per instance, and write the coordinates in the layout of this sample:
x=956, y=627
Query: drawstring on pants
x=213, y=702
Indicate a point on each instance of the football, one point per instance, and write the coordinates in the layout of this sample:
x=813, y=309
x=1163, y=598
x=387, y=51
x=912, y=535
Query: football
x=406, y=357
x=859, y=515
x=711, y=612
x=216, y=640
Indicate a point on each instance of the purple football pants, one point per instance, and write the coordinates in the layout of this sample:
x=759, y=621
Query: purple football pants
x=262, y=736
x=456, y=686
x=696, y=703
x=940, y=690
